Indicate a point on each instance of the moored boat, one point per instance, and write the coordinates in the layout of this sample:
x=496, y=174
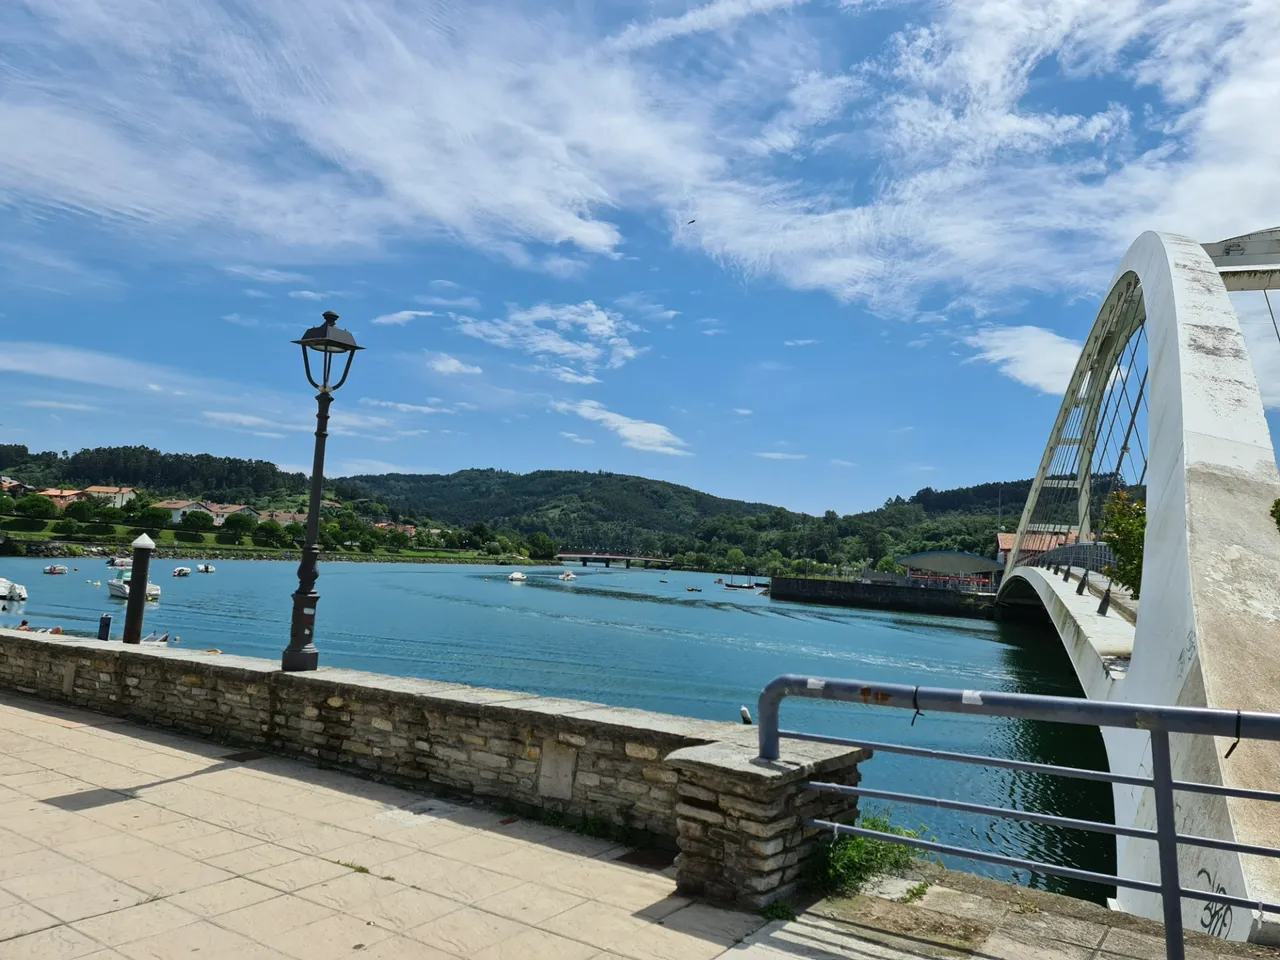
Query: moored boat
x=12, y=591
x=205, y=568
x=55, y=569
x=567, y=576
x=119, y=587
x=124, y=563
x=517, y=577
x=182, y=571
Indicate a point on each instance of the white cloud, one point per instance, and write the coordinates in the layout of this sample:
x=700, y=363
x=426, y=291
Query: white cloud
x=968, y=156
x=456, y=303
x=401, y=317
x=232, y=419
x=716, y=15
x=239, y=321
x=363, y=467
x=316, y=294
x=636, y=434
x=451, y=366
x=742, y=411
x=1033, y=356
x=1262, y=341
x=266, y=274
x=646, y=307
x=256, y=294
x=575, y=438
x=799, y=343
x=444, y=284
x=56, y=405
x=573, y=340
x=843, y=463
x=564, y=374
x=714, y=332
x=402, y=407
x=88, y=366
x=774, y=455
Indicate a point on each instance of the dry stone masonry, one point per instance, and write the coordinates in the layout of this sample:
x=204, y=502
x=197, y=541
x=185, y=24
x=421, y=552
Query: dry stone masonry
x=672, y=780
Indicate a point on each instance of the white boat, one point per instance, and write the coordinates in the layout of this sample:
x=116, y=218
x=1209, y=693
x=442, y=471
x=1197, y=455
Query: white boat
x=517, y=577
x=124, y=563
x=12, y=591
x=119, y=587
x=55, y=568
x=182, y=571
x=205, y=568
x=567, y=576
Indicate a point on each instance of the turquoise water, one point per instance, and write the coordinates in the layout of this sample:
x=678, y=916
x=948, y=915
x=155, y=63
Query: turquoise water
x=624, y=638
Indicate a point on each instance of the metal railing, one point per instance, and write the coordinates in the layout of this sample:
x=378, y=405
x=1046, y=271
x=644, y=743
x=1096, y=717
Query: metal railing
x=1159, y=721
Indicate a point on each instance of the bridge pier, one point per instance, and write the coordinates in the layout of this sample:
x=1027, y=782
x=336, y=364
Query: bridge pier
x=628, y=564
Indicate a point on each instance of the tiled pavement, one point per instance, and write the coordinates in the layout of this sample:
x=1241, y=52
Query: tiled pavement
x=122, y=841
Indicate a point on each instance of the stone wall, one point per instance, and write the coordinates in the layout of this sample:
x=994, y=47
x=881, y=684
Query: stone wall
x=578, y=759
x=883, y=596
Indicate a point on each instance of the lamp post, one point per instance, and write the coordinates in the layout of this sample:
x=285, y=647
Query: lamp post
x=329, y=341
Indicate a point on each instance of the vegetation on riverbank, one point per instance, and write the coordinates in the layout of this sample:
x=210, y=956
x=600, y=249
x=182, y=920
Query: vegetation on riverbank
x=496, y=513
x=847, y=863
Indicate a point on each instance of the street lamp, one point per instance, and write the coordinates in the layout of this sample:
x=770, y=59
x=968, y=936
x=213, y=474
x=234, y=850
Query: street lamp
x=330, y=341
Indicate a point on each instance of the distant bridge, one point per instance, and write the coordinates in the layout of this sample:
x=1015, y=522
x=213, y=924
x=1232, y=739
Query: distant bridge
x=608, y=559
x=1205, y=631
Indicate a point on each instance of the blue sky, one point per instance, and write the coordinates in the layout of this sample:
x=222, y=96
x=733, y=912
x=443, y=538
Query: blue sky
x=903, y=217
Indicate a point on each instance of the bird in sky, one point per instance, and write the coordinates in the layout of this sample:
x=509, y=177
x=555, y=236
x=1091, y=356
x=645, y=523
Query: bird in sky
x=691, y=221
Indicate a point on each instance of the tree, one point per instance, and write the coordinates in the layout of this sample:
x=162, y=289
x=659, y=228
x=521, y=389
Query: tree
x=239, y=524
x=153, y=518
x=293, y=532
x=269, y=532
x=6, y=503
x=493, y=548
x=397, y=540
x=36, y=507
x=81, y=510
x=1124, y=530
x=197, y=520
x=735, y=560
x=109, y=515
x=68, y=527
x=541, y=547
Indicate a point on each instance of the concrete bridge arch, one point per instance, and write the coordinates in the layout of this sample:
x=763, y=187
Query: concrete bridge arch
x=1207, y=626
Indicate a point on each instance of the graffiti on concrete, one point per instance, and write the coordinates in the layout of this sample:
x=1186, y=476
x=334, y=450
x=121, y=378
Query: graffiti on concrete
x=1215, y=918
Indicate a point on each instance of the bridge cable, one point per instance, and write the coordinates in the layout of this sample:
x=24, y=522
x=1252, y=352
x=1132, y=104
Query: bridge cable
x=1267, y=297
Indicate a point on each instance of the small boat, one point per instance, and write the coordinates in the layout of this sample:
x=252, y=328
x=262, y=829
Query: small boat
x=205, y=568
x=55, y=569
x=119, y=587
x=694, y=589
x=719, y=579
x=664, y=580
x=517, y=577
x=182, y=571
x=12, y=591
x=156, y=639
x=124, y=563
x=567, y=576
x=763, y=583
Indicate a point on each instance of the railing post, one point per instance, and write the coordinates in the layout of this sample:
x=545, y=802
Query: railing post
x=1167, y=841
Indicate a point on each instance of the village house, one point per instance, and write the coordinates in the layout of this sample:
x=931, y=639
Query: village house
x=14, y=488
x=180, y=508
x=1033, y=544
x=221, y=511
x=116, y=496
x=62, y=497
x=405, y=528
x=284, y=518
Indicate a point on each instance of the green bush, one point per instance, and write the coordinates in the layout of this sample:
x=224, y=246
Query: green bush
x=1275, y=513
x=844, y=865
x=1124, y=530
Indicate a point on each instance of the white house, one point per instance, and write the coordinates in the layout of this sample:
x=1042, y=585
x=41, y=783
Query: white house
x=180, y=508
x=118, y=496
x=221, y=511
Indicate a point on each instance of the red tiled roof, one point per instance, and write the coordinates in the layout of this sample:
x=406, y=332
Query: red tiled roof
x=108, y=489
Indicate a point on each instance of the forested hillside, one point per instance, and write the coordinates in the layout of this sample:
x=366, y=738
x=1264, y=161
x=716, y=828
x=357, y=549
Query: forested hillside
x=574, y=509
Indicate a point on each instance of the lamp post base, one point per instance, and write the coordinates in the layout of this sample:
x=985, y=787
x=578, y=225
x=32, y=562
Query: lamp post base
x=296, y=661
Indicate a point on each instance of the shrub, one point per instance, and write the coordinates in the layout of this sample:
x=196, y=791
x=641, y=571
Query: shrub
x=70, y=527
x=1124, y=530
x=36, y=507
x=1275, y=513
x=844, y=865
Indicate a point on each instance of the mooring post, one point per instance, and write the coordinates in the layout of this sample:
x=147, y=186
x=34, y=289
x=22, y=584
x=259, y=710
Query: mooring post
x=138, y=580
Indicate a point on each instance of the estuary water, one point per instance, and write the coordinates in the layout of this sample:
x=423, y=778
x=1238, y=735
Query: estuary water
x=625, y=638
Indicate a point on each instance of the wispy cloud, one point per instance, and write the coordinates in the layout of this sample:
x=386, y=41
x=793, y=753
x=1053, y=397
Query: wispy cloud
x=239, y=321
x=575, y=438
x=576, y=338
x=266, y=274
x=401, y=317
x=451, y=366
x=742, y=411
x=248, y=421
x=636, y=434
x=56, y=405
x=799, y=343
x=717, y=15
x=402, y=407
x=775, y=455
x=453, y=303
x=316, y=294
x=843, y=463
x=1033, y=356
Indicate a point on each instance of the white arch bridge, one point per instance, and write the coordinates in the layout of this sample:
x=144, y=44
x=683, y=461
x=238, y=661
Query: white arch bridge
x=1164, y=406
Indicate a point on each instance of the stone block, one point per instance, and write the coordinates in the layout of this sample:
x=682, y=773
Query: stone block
x=380, y=724
x=556, y=770
x=660, y=775
x=640, y=751
x=573, y=739
x=684, y=811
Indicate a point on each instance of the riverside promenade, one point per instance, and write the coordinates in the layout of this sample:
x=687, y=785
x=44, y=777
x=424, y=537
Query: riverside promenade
x=122, y=841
